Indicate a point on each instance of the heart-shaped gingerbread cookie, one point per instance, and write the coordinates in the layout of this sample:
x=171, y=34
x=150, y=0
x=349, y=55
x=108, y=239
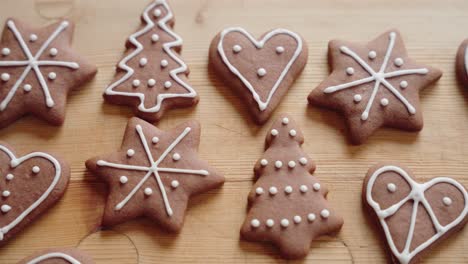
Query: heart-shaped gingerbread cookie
x=260, y=70
x=29, y=185
x=414, y=216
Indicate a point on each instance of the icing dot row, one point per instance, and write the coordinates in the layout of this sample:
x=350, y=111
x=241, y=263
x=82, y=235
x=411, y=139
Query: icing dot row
x=238, y=48
x=273, y=190
x=279, y=164
x=151, y=83
x=292, y=132
x=284, y=222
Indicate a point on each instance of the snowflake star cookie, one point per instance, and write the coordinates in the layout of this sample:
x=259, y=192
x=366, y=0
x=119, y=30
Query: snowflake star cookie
x=413, y=216
x=287, y=205
x=154, y=174
x=374, y=85
x=58, y=256
x=29, y=185
x=261, y=71
x=37, y=70
x=462, y=63
x=152, y=77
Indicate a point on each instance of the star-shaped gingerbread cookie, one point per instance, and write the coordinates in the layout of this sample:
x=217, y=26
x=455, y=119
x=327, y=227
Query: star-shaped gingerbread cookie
x=374, y=85
x=38, y=68
x=154, y=174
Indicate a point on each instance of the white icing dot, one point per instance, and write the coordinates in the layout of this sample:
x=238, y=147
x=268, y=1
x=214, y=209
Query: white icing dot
x=291, y=164
x=316, y=186
x=297, y=219
x=259, y=191
x=279, y=49
x=130, y=152
x=399, y=62
x=5, y=208
x=123, y=179
x=292, y=133
x=151, y=82
x=176, y=156
x=174, y=184
x=261, y=72
x=325, y=213
x=350, y=70
x=255, y=223
x=311, y=217
x=278, y=164
x=5, y=77
x=167, y=84
x=52, y=75
x=36, y=169
x=274, y=132
x=236, y=48
x=6, y=193
x=285, y=121
x=143, y=62
x=136, y=83
x=270, y=223
x=6, y=51
x=372, y=54
x=10, y=177
x=284, y=222
x=391, y=187
x=164, y=63
x=303, y=188
x=273, y=190
x=447, y=201
x=32, y=37
x=264, y=162
x=303, y=161
x=288, y=189
x=148, y=191
x=384, y=102
x=155, y=140
x=403, y=84
x=27, y=87
x=357, y=98
x=53, y=52
x=157, y=12
x=154, y=38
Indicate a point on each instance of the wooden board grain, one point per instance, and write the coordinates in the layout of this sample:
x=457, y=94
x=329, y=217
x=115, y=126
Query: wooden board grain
x=432, y=30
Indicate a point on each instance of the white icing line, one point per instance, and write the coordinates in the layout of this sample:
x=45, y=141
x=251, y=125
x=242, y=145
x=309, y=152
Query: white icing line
x=167, y=48
x=262, y=105
x=14, y=163
x=417, y=195
x=51, y=255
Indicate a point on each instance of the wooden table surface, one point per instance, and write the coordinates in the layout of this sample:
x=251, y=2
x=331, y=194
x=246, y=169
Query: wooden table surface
x=230, y=141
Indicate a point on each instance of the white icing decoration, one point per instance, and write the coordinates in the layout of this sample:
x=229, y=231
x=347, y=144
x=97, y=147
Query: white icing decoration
x=10, y=177
x=447, y=201
x=259, y=191
x=399, y=62
x=175, y=184
x=291, y=164
x=350, y=70
x=417, y=196
x=255, y=223
x=155, y=140
x=297, y=219
x=6, y=193
x=130, y=152
x=372, y=54
x=157, y=12
x=136, y=83
x=151, y=82
x=303, y=188
x=154, y=38
x=123, y=179
x=292, y=133
x=270, y=223
x=5, y=208
x=5, y=77
x=54, y=255
x=273, y=190
x=237, y=48
x=262, y=105
x=285, y=121
x=164, y=63
x=261, y=72
x=403, y=84
x=27, y=87
x=284, y=222
x=32, y=37
x=288, y=189
x=143, y=62
x=153, y=169
x=52, y=75
x=16, y=162
x=176, y=156
x=167, y=84
x=167, y=47
x=148, y=191
x=53, y=52
x=391, y=187
x=303, y=161
x=36, y=169
x=32, y=63
x=274, y=132
x=316, y=186
x=6, y=51
x=264, y=162
x=279, y=49
x=325, y=213
x=384, y=102
x=379, y=77
x=357, y=98
x=311, y=217
x=278, y=164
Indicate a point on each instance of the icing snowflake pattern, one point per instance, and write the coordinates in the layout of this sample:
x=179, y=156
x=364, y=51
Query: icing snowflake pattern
x=33, y=63
x=379, y=78
x=154, y=169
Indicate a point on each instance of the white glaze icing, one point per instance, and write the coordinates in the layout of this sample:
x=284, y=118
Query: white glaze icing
x=236, y=48
x=6, y=193
x=297, y=219
x=303, y=161
x=130, y=152
x=350, y=70
x=288, y=189
x=123, y=179
x=52, y=255
x=284, y=222
x=53, y=52
x=270, y=223
x=157, y=12
x=311, y=217
x=273, y=190
x=5, y=77
x=175, y=184
x=5, y=208
x=292, y=133
x=261, y=72
x=259, y=191
x=278, y=164
x=255, y=223
x=285, y=121
x=136, y=83
x=148, y=191
x=325, y=213
x=27, y=87
x=291, y=164
x=167, y=84
x=36, y=169
x=391, y=187
x=143, y=62
x=403, y=84
x=357, y=98
x=417, y=196
x=303, y=188
x=9, y=177
x=372, y=54
x=164, y=63
x=176, y=156
x=262, y=105
x=6, y=51
x=154, y=38
x=274, y=132
x=279, y=49
x=264, y=162
x=52, y=76
x=316, y=186
x=32, y=37
x=447, y=201
x=384, y=102
x=399, y=62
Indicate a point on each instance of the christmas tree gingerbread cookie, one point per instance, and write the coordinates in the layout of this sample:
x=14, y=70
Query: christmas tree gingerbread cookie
x=37, y=71
x=152, y=77
x=154, y=174
x=413, y=216
x=261, y=71
x=462, y=63
x=58, y=256
x=287, y=205
x=374, y=85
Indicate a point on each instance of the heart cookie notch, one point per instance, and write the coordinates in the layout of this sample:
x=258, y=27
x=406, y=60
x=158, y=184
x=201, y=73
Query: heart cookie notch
x=261, y=71
x=413, y=216
x=29, y=185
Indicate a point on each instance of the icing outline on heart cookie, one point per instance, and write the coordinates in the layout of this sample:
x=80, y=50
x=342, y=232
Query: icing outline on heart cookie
x=417, y=195
x=15, y=162
x=259, y=44
x=51, y=255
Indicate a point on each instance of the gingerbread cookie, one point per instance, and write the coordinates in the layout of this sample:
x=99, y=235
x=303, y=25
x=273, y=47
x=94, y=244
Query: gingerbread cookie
x=152, y=77
x=154, y=174
x=58, y=256
x=261, y=71
x=413, y=216
x=37, y=70
x=462, y=63
x=29, y=185
x=374, y=85
x=287, y=205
